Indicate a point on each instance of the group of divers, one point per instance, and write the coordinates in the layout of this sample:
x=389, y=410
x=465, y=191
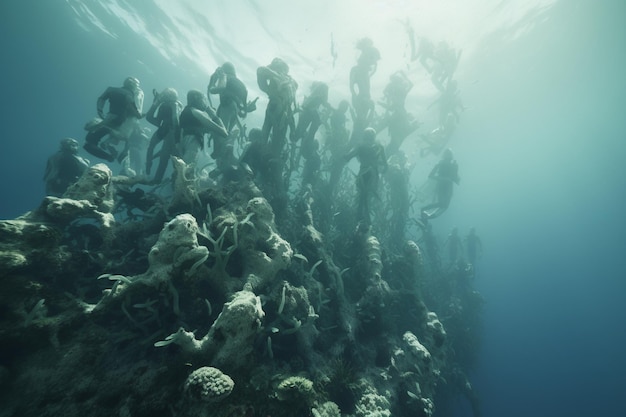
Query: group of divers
x=287, y=142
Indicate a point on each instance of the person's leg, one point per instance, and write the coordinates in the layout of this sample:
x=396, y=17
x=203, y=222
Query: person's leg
x=191, y=149
x=91, y=144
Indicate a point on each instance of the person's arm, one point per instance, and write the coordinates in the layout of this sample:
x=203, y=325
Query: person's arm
x=218, y=89
x=174, y=114
x=138, y=100
x=251, y=105
x=373, y=69
x=217, y=82
x=264, y=75
x=101, y=102
x=81, y=163
x=242, y=98
x=353, y=152
x=214, y=125
x=151, y=115
x=135, y=111
x=150, y=151
x=371, y=112
x=383, y=158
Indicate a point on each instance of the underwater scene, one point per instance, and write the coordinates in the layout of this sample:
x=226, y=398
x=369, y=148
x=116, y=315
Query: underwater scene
x=350, y=208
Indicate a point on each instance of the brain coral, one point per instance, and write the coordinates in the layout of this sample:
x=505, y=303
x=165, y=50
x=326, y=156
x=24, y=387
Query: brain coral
x=208, y=384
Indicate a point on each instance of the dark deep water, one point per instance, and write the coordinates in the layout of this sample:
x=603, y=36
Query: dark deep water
x=541, y=152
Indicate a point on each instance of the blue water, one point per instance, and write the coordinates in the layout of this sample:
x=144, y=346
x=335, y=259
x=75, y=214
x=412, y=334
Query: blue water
x=551, y=143
x=541, y=151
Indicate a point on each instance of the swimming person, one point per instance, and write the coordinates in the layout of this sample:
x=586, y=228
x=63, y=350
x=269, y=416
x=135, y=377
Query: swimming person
x=446, y=174
x=196, y=120
x=163, y=114
x=123, y=105
x=371, y=155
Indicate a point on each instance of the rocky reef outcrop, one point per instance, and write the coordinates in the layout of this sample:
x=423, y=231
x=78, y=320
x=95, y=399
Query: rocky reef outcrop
x=210, y=304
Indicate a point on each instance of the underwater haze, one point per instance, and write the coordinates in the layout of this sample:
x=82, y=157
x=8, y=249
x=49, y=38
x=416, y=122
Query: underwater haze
x=541, y=145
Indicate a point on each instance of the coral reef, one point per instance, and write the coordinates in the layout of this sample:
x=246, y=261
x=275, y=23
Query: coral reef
x=308, y=315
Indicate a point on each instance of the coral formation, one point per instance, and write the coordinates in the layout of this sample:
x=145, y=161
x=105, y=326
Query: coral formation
x=295, y=389
x=372, y=404
x=299, y=326
x=327, y=409
x=260, y=266
x=230, y=340
x=208, y=384
x=176, y=248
